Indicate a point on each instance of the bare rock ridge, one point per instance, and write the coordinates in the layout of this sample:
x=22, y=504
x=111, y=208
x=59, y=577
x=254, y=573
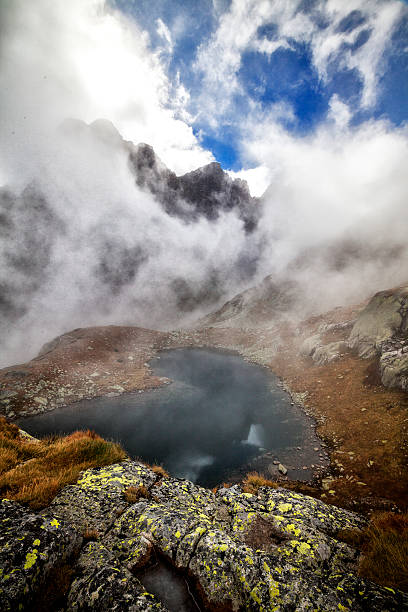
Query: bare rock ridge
x=276, y=550
x=258, y=306
x=205, y=192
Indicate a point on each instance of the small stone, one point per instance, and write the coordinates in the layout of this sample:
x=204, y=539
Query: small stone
x=282, y=469
x=5, y=394
x=41, y=400
x=117, y=388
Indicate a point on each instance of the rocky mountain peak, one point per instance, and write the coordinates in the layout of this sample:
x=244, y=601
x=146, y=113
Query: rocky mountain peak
x=205, y=192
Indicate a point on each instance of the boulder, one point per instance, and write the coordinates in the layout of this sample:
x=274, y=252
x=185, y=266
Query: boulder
x=97, y=499
x=322, y=353
x=384, y=317
x=327, y=353
x=310, y=345
x=394, y=368
x=103, y=584
x=274, y=550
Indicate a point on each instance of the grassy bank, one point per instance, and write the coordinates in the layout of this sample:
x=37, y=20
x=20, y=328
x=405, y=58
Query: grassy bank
x=32, y=472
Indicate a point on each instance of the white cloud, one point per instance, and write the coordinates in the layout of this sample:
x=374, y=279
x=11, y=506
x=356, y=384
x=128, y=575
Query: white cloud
x=381, y=15
x=339, y=184
x=258, y=179
x=81, y=59
x=164, y=32
x=339, y=112
x=219, y=60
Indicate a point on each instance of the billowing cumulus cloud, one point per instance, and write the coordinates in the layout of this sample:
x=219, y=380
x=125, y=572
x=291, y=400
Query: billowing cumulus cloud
x=85, y=242
x=346, y=41
x=334, y=215
x=83, y=59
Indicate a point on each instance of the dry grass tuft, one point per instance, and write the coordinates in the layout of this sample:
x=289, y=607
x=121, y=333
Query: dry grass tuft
x=90, y=534
x=8, y=430
x=262, y=534
x=253, y=481
x=133, y=494
x=160, y=471
x=384, y=549
x=33, y=472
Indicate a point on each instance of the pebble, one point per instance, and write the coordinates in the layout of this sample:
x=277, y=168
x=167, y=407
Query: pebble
x=41, y=400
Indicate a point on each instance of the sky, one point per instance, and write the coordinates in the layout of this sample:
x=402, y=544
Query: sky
x=306, y=99
x=195, y=79
x=291, y=61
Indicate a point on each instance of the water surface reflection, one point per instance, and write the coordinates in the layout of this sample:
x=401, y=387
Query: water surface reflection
x=217, y=415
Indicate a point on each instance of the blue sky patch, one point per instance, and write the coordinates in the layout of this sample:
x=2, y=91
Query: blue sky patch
x=287, y=77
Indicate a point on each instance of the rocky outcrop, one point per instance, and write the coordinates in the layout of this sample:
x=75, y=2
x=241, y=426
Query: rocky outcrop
x=205, y=192
x=385, y=317
x=320, y=352
x=394, y=364
x=275, y=550
x=382, y=329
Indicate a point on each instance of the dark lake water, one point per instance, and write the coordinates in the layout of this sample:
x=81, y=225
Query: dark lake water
x=219, y=414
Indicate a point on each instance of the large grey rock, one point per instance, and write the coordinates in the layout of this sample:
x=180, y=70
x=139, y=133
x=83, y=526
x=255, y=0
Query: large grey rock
x=310, y=344
x=394, y=366
x=384, y=317
x=97, y=499
x=103, y=584
x=277, y=550
x=30, y=548
x=326, y=353
x=382, y=329
x=322, y=353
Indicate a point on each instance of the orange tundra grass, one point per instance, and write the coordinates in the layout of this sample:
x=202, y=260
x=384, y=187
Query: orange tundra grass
x=32, y=472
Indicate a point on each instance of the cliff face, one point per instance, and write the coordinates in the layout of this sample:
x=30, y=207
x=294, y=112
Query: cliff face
x=275, y=550
x=205, y=192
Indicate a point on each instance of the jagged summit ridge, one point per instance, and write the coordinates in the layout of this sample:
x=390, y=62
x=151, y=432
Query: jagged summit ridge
x=206, y=191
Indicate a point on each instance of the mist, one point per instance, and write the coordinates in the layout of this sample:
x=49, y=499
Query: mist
x=82, y=243
x=334, y=216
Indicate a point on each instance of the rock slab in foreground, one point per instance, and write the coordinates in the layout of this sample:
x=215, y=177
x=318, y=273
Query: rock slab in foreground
x=273, y=551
